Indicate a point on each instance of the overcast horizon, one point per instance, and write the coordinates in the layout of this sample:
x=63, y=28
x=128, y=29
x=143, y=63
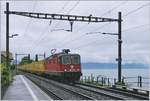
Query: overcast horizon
x=37, y=36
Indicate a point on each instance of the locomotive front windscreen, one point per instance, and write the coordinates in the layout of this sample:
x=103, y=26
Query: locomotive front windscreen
x=70, y=59
x=66, y=59
x=75, y=59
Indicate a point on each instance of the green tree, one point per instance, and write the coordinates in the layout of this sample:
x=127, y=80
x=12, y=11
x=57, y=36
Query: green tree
x=25, y=60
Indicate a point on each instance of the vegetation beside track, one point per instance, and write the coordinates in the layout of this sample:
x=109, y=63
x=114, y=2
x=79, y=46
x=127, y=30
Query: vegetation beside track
x=6, y=76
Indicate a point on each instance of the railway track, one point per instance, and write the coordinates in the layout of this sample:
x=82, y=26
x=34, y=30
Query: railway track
x=74, y=93
x=49, y=92
x=125, y=95
x=61, y=91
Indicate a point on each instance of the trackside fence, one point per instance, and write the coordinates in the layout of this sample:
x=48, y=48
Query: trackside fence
x=137, y=81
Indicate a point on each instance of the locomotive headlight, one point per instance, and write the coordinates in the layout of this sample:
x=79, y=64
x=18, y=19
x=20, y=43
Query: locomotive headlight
x=77, y=69
x=71, y=66
x=65, y=69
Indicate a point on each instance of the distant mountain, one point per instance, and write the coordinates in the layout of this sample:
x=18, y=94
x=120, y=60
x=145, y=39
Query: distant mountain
x=112, y=66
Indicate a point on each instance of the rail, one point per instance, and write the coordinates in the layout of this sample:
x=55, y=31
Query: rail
x=45, y=85
x=47, y=91
x=77, y=92
x=118, y=92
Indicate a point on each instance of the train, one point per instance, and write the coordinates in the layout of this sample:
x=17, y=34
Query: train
x=64, y=66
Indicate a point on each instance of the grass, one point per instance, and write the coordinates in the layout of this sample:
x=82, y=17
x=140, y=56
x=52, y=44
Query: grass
x=95, y=83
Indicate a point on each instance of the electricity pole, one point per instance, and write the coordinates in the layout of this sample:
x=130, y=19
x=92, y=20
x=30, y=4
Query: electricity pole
x=119, y=47
x=16, y=63
x=7, y=34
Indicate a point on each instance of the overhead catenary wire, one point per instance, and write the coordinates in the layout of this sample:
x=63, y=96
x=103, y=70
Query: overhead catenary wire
x=147, y=4
x=87, y=44
x=63, y=7
x=64, y=39
x=135, y=27
x=143, y=25
x=29, y=21
x=61, y=10
x=59, y=21
x=122, y=3
x=112, y=9
x=130, y=12
x=73, y=6
x=103, y=14
x=80, y=36
x=43, y=36
x=116, y=7
x=67, y=12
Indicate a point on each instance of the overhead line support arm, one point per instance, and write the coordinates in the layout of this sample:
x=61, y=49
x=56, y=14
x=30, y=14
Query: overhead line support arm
x=62, y=17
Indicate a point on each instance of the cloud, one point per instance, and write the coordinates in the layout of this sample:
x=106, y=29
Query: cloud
x=35, y=35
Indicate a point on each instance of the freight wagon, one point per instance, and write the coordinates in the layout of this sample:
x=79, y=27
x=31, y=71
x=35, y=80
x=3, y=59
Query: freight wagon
x=63, y=65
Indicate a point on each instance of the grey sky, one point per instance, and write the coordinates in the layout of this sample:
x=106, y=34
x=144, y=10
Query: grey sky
x=35, y=35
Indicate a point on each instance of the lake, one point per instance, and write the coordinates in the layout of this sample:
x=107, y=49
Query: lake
x=113, y=73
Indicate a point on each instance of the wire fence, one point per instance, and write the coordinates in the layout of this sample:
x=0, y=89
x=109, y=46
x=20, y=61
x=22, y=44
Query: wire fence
x=137, y=81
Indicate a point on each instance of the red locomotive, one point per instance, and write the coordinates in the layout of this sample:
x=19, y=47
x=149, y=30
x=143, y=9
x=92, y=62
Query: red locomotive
x=63, y=65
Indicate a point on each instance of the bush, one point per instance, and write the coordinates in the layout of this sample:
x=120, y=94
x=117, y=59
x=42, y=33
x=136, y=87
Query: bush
x=6, y=76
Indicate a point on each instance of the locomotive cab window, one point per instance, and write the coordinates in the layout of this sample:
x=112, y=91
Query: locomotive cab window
x=60, y=60
x=66, y=59
x=75, y=59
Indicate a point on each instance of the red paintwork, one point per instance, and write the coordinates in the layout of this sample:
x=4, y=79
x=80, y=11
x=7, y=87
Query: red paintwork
x=53, y=65
x=76, y=67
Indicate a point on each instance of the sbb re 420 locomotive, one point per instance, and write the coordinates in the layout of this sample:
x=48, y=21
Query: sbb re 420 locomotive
x=63, y=65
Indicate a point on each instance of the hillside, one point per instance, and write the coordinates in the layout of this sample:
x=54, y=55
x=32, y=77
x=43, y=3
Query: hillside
x=112, y=66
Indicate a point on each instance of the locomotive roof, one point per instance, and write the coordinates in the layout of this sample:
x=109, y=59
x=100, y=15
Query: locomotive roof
x=59, y=54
